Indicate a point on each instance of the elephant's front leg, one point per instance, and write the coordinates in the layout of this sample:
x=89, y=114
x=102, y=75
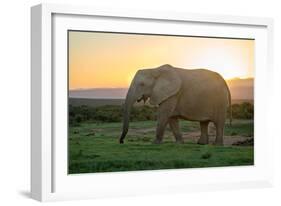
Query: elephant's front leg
x=174, y=125
x=165, y=111
x=161, y=125
x=204, y=139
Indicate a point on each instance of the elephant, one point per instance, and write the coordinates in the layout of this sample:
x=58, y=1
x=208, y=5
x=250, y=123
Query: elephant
x=190, y=94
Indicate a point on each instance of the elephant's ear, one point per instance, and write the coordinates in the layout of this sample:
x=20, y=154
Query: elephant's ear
x=167, y=84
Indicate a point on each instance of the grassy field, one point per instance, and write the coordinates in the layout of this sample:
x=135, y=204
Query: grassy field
x=94, y=147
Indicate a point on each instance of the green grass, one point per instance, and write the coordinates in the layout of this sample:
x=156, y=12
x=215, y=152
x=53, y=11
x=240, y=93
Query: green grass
x=94, y=148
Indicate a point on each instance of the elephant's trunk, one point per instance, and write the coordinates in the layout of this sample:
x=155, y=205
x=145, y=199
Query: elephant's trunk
x=130, y=100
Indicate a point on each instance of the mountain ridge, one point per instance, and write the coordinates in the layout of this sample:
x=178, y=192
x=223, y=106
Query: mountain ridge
x=239, y=88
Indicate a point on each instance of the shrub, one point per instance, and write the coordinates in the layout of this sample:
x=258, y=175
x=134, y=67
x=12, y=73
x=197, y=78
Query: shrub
x=79, y=118
x=114, y=113
x=243, y=111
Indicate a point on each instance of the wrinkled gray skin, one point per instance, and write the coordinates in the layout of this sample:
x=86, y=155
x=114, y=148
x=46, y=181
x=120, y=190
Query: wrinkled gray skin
x=196, y=95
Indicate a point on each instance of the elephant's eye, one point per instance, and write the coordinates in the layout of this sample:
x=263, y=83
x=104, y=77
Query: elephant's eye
x=142, y=84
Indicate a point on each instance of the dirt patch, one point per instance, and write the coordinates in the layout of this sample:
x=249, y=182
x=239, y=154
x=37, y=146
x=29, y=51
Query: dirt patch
x=193, y=136
x=228, y=140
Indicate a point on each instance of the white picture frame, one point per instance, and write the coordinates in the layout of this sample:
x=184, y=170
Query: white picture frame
x=49, y=178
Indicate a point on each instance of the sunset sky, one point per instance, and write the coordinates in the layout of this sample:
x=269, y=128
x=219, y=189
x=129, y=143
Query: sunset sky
x=110, y=60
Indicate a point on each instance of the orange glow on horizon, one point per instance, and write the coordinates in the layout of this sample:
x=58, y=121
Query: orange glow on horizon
x=108, y=60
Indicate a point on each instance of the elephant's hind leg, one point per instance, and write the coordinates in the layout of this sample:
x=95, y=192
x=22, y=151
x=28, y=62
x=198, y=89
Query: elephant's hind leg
x=219, y=132
x=174, y=125
x=204, y=139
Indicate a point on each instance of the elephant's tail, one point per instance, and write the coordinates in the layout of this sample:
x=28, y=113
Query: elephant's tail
x=230, y=106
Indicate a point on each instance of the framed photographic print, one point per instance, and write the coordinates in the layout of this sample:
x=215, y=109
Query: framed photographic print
x=137, y=102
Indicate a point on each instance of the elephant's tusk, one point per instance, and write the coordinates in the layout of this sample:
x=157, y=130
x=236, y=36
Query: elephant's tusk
x=144, y=99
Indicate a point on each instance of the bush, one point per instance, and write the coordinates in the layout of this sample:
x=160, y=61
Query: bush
x=79, y=118
x=114, y=113
x=243, y=111
x=109, y=113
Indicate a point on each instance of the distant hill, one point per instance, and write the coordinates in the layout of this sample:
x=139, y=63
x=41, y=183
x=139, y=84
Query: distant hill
x=99, y=93
x=241, y=90
x=95, y=102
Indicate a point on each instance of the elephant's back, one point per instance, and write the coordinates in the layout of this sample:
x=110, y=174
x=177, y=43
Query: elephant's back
x=203, y=79
x=203, y=92
x=200, y=75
